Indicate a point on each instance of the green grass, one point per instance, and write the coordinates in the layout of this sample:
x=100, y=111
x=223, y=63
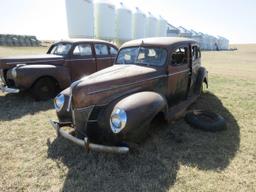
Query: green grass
x=32, y=159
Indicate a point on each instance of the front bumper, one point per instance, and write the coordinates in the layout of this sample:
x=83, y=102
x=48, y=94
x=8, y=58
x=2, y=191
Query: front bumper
x=85, y=143
x=6, y=89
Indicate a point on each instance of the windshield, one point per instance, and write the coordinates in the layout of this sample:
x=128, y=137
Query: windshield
x=142, y=56
x=61, y=49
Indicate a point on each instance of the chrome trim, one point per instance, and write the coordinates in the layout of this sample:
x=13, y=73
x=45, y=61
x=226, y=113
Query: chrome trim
x=178, y=72
x=101, y=58
x=107, y=89
x=71, y=93
x=80, y=59
x=85, y=108
x=6, y=89
x=35, y=61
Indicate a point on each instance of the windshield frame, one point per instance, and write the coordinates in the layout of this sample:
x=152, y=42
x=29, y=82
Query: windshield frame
x=143, y=46
x=57, y=44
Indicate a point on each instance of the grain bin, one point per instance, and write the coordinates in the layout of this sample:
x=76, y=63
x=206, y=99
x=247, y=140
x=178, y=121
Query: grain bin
x=80, y=18
x=161, y=27
x=123, y=23
x=104, y=20
x=223, y=43
x=151, y=25
x=184, y=32
x=138, y=24
x=172, y=31
x=197, y=37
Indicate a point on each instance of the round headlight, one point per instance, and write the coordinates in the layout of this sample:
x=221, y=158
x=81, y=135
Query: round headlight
x=118, y=120
x=14, y=72
x=59, y=102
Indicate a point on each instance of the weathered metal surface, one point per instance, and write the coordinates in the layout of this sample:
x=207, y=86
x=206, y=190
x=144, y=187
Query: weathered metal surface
x=63, y=68
x=141, y=91
x=86, y=144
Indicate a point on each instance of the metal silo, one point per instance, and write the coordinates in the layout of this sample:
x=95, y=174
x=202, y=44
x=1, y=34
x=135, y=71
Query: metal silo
x=151, y=25
x=224, y=43
x=161, y=27
x=198, y=37
x=204, y=45
x=184, y=32
x=138, y=24
x=172, y=31
x=80, y=18
x=104, y=20
x=123, y=23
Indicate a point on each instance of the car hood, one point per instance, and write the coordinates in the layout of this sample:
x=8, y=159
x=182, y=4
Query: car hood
x=111, y=80
x=9, y=62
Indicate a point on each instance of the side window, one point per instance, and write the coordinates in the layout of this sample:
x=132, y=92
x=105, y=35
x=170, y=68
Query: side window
x=199, y=52
x=101, y=49
x=113, y=51
x=83, y=50
x=180, y=56
x=194, y=53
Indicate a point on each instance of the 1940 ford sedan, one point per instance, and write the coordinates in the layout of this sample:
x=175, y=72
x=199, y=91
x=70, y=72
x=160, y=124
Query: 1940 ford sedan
x=115, y=106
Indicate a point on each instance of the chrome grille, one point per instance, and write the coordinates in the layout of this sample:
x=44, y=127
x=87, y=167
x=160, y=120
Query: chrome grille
x=80, y=117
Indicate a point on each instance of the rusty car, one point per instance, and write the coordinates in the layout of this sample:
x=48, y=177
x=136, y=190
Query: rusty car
x=65, y=62
x=112, y=108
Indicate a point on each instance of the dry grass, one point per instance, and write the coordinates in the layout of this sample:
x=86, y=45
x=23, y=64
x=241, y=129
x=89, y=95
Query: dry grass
x=32, y=159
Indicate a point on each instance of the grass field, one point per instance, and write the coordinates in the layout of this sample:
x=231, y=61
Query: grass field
x=32, y=159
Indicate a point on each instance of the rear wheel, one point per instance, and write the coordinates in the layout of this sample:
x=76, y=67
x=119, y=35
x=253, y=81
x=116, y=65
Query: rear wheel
x=44, y=89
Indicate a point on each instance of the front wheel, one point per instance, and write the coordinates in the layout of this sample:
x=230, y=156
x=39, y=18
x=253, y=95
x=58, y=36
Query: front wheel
x=44, y=89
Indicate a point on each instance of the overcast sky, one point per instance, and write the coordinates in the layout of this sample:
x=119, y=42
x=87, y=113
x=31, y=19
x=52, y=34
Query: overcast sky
x=234, y=19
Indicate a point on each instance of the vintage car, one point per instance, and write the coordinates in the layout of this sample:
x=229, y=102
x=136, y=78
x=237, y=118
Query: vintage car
x=65, y=62
x=152, y=77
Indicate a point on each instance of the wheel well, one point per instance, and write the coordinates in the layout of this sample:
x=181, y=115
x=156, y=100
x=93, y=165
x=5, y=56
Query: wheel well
x=205, y=81
x=47, y=77
x=160, y=118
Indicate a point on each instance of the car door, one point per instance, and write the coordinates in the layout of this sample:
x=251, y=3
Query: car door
x=103, y=57
x=196, y=63
x=178, y=74
x=82, y=61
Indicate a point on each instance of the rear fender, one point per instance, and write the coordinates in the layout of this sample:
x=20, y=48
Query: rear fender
x=27, y=75
x=201, y=78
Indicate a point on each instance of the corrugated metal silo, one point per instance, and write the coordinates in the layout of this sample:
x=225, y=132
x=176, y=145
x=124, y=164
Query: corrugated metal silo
x=138, y=24
x=198, y=37
x=104, y=20
x=80, y=18
x=184, y=32
x=172, y=31
x=204, y=41
x=151, y=26
x=161, y=27
x=123, y=23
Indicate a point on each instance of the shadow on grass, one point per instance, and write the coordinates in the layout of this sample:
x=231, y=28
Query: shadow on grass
x=15, y=106
x=152, y=166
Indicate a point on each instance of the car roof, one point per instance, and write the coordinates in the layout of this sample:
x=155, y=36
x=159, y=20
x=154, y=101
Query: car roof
x=158, y=41
x=83, y=40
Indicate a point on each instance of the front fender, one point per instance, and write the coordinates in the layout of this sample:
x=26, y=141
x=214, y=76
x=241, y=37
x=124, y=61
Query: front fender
x=28, y=74
x=202, y=77
x=141, y=108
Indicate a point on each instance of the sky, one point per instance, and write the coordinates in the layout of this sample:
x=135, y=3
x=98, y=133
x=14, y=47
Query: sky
x=233, y=19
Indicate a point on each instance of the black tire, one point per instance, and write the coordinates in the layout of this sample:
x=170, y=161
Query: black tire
x=206, y=120
x=44, y=89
